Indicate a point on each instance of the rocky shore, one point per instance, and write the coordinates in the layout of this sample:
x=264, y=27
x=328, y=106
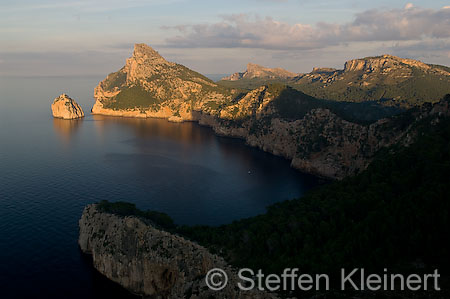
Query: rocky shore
x=316, y=139
x=66, y=108
x=151, y=262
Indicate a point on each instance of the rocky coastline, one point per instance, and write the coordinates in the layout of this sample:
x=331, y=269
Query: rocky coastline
x=66, y=108
x=151, y=262
x=316, y=139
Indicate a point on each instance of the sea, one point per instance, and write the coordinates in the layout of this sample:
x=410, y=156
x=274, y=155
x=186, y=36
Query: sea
x=50, y=169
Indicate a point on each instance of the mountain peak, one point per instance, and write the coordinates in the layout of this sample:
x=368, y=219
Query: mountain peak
x=145, y=51
x=258, y=71
x=144, y=62
x=254, y=66
x=383, y=62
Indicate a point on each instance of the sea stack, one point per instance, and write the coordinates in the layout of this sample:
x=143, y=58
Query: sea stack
x=66, y=108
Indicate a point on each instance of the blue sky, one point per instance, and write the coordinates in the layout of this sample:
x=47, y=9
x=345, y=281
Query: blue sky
x=94, y=37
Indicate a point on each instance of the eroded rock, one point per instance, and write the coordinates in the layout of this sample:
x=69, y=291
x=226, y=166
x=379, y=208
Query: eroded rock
x=151, y=262
x=66, y=108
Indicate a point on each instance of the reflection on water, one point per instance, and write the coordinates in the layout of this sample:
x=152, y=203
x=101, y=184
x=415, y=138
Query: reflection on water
x=196, y=177
x=51, y=168
x=186, y=132
x=191, y=143
x=66, y=128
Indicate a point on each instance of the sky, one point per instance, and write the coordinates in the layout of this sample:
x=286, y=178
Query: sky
x=94, y=37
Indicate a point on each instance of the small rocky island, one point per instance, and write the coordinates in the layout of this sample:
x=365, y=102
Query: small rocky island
x=151, y=262
x=66, y=108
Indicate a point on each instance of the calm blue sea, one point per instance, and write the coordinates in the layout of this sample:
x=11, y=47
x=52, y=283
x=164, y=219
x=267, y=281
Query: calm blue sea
x=50, y=169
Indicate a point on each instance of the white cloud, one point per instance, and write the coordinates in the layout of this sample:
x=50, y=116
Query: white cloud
x=410, y=23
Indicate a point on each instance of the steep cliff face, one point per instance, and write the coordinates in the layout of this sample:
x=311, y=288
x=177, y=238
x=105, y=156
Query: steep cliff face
x=317, y=136
x=66, y=108
x=150, y=86
x=260, y=72
x=383, y=63
x=150, y=262
x=392, y=80
x=405, y=82
x=321, y=142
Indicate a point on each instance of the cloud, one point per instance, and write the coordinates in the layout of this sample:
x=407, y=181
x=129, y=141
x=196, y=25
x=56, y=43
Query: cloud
x=409, y=6
x=245, y=31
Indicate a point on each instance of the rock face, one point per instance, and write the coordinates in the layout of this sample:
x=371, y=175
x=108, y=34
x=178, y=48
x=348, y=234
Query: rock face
x=318, y=138
x=150, y=86
x=405, y=82
x=257, y=71
x=321, y=142
x=150, y=262
x=383, y=63
x=66, y=108
x=397, y=81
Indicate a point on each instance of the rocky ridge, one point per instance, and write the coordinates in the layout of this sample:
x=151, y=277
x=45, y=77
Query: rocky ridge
x=322, y=142
x=390, y=79
x=66, y=108
x=405, y=82
x=150, y=262
x=260, y=72
x=280, y=120
x=150, y=86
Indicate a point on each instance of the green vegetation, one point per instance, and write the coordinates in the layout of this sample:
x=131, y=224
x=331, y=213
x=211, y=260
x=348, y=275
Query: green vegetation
x=404, y=92
x=393, y=214
x=213, y=105
x=173, y=82
x=442, y=67
x=392, y=89
x=249, y=84
x=116, y=79
x=293, y=104
x=128, y=209
x=132, y=97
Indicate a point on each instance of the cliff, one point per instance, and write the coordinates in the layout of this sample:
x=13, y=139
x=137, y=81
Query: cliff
x=317, y=140
x=404, y=82
x=150, y=262
x=326, y=138
x=260, y=72
x=150, y=86
x=66, y=108
x=389, y=79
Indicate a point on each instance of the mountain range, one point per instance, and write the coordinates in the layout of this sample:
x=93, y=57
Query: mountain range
x=387, y=79
x=323, y=135
x=386, y=141
x=258, y=71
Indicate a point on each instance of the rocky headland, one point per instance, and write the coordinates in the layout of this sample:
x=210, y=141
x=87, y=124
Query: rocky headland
x=151, y=262
x=318, y=136
x=66, y=108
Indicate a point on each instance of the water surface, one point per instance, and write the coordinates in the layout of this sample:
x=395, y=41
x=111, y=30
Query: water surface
x=50, y=169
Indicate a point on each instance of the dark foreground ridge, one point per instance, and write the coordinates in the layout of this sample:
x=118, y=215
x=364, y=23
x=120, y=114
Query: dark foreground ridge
x=393, y=215
x=149, y=261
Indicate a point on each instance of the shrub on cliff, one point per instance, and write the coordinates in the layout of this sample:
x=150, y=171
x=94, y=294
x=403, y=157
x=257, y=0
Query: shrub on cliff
x=129, y=209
